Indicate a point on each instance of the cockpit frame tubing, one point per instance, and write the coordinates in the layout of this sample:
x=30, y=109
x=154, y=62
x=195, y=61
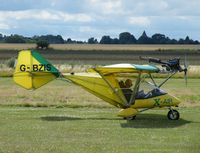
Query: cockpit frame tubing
x=109, y=84
x=135, y=90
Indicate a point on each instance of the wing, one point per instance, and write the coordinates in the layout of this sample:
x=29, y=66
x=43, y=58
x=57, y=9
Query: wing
x=125, y=68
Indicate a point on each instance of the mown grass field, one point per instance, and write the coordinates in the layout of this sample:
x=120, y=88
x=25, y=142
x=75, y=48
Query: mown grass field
x=61, y=117
x=61, y=130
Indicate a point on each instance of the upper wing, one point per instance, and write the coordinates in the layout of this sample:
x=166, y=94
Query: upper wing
x=126, y=68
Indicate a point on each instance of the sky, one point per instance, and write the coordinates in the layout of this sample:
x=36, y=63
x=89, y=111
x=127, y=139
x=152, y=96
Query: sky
x=82, y=19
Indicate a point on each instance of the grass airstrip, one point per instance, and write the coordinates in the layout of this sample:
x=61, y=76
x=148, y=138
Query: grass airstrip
x=61, y=117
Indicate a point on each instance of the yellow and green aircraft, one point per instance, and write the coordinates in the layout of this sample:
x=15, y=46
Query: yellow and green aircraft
x=129, y=87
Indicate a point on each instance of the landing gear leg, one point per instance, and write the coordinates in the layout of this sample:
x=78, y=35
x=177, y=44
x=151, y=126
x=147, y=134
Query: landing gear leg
x=173, y=114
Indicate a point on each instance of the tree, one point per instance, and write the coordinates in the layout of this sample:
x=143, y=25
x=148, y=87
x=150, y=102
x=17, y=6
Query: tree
x=158, y=39
x=1, y=37
x=144, y=39
x=42, y=44
x=92, y=41
x=126, y=38
x=181, y=41
x=196, y=42
x=106, y=40
x=189, y=41
x=15, y=39
x=173, y=41
x=69, y=41
x=115, y=41
x=52, y=39
x=162, y=39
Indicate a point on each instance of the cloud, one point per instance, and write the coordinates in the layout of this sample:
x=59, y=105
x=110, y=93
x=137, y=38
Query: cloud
x=105, y=7
x=86, y=29
x=4, y=26
x=149, y=8
x=139, y=21
x=95, y=18
x=44, y=15
x=75, y=17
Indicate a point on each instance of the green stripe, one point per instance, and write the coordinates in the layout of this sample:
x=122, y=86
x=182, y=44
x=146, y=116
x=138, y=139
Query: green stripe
x=146, y=68
x=42, y=60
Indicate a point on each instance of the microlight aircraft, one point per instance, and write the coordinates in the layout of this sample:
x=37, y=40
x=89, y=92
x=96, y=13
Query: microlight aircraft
x=130, y=87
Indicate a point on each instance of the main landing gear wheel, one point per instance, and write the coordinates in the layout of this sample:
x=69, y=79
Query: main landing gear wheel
x=130, y=118
x=173, y=115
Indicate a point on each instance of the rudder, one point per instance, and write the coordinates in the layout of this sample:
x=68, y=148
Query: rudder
x=33, y=71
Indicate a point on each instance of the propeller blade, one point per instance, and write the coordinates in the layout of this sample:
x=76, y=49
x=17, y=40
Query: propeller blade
x=15, y=63
x=185, y=62
x=185, y=76
x=185, y=70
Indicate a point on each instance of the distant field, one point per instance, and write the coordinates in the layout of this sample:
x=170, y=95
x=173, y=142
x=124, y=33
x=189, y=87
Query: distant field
x=102, y=47
x=106, y=54
x=79, y=57
x=125, y=47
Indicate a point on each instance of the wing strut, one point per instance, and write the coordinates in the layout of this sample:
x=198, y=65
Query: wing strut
x=153, y=80
x=110, y=85
x=135, y=90
x=166, y=79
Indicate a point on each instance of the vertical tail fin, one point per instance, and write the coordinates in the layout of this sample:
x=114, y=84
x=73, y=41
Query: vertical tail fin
x=33, y=71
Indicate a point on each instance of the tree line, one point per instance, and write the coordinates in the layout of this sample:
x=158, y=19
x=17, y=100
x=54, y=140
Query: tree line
x=124, y=38
x=128, y=38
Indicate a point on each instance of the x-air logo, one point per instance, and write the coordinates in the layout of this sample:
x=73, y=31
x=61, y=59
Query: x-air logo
x=160, y=102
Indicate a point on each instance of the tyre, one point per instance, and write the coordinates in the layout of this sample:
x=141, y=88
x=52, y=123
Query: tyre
x=173, y=115
x=130, y=118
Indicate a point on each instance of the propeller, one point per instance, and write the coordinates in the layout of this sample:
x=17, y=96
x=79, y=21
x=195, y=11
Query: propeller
x=185, y=70
x=171, y=65
x=15, y=64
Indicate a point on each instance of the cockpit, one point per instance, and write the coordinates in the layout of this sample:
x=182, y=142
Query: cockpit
x=153, y=93
x=140, y=90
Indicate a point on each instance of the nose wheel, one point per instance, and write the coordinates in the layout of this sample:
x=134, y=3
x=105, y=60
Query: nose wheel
x=173, y=114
